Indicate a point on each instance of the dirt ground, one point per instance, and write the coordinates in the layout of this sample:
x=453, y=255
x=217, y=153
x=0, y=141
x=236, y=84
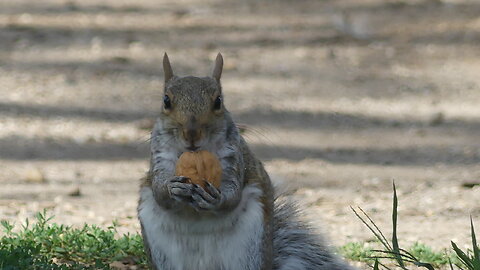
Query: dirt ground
x=340, y=97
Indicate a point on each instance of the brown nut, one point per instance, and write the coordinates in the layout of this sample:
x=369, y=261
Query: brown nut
x=200, y=166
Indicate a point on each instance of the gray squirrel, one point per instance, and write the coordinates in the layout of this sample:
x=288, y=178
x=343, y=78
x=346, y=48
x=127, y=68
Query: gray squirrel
x=238, y=226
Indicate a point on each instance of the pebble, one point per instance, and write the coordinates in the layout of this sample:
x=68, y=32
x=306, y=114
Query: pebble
x=35, y=176
x=75, y=192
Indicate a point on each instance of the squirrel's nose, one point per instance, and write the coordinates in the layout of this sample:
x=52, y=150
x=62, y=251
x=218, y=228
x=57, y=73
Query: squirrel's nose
x=191, y=135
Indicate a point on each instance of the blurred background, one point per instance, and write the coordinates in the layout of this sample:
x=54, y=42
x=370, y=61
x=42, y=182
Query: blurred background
x=340, y=98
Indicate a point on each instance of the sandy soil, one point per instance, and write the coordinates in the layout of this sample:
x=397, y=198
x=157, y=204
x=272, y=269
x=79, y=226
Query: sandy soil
x=341, y=98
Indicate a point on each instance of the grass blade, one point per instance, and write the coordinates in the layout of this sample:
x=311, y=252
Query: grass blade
x=424, y=265
x=385, y=241
x=476, y=250
x=405, y=258
x=393, y=253
x=391, y=258
x=410, y=255
x=396, y=247
x=463, y=257
x=450, y=263
x=384, y=266
x=377, y=234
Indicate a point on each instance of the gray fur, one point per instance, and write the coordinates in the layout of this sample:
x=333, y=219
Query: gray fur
x=234, y=227
x=296, y=246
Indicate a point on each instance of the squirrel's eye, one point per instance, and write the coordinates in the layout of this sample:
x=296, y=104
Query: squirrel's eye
x=167, y=103
x=217, y=105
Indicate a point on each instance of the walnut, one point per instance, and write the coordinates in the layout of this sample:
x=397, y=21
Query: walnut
x=200, y=166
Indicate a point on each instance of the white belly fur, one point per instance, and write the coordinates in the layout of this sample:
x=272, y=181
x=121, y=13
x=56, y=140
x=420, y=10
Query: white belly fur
x=231, y=242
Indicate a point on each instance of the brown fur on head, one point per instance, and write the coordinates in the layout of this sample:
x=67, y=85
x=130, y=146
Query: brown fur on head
x=194, y=105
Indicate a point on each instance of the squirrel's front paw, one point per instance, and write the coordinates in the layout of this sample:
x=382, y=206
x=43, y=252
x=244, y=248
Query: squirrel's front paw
x=169, y=192
x=206, y=199
x=179, y=189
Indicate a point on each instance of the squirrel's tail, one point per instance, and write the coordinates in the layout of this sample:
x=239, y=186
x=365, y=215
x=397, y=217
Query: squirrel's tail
x=296, y=246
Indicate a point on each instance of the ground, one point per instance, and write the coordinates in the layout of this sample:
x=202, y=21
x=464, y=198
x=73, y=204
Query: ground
x=340, y=98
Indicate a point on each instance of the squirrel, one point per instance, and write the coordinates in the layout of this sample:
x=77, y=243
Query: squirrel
x=239, y=226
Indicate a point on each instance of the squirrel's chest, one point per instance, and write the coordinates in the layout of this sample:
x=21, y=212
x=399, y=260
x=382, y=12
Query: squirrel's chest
x=230, y=243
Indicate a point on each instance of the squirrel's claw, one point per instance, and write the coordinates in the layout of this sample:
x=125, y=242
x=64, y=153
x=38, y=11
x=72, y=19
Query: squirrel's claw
x=213, y=191
x=200, y=204
x=203, y=200
x=180, y=179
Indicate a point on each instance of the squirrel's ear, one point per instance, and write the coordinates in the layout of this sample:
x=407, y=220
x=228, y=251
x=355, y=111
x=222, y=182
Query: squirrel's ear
x=167, y=69
x=217, y=71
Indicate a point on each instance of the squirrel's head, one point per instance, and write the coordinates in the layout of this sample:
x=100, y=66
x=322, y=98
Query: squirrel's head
x=193, y=106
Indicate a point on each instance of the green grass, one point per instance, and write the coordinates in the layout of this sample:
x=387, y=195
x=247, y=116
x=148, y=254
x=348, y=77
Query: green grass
x=364, y=252
x=356, y=251
x=471, y=259
x=427, y=254
x=418, y=255
x=46, y=245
